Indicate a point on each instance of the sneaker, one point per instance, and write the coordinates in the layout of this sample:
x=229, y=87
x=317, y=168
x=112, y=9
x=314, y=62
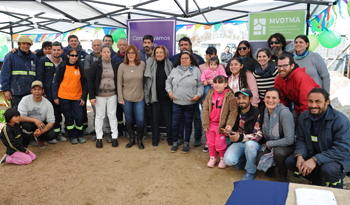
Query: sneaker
x=86, y=132
x=81, y=140
x=41, y=144
x=180, y=141
x=3, y=160
x=205, y=148
x=174, y=147
x=54, y=141
x=114, y=142
x=197, y=142
x=33, y=142
x=109, y=137
x=212, y=162
x=222, y=164
x=74, y=141
x=60, y=138
x=248, y=176
x=94, y=138
x=186, y=148
x=93, y=132
x=99, y=144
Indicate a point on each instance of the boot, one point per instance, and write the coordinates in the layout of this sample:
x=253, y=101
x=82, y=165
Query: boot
x=130, y=128
x=139, y=134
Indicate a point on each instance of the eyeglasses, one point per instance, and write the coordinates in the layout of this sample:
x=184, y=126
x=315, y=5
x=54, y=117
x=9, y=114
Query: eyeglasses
x=74, y=55
x=274, y=42
x=283, y=66
x=131, y=53
x=240, y=48
x=96, y=45
x=185, y=58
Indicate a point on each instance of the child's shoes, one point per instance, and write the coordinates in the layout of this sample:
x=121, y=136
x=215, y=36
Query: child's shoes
x=212, y=162
x=222, y=164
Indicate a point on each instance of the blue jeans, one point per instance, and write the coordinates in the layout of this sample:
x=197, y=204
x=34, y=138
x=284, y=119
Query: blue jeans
x=206, y=90
x=239, y=152
x=197, y=119
x=134, y=108
x=182, y=113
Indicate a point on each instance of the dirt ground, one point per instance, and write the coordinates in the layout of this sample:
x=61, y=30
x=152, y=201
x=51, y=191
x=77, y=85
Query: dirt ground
x=82, y=174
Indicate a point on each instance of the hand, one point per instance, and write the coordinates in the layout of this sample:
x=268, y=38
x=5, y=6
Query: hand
x=122, y=102
x=195, y=98
x=39, y=124
x=93, y=102
x=210, y=82
x=57, y=101
x=308, y=166
x=206, y=129
x=13, y=50
x=37, y=133
x=82, y=102
x=8, y=95
x=267, y=145
x=27, y=151
x=234, y=137
x=45, y=96
x=226, y=130
x=205, y=83
x=171, y=96
x=300, y=162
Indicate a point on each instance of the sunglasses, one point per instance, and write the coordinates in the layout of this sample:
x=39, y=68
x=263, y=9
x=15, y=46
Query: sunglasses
x=73, y=55
x=240, y=48
x=274, y=42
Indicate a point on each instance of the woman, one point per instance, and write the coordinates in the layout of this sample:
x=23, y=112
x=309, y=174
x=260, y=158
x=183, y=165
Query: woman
x=241, y=78
x=278, y=129
x=313, y=63
x=157, y=70
x=103, y=93
x=69, y=91
x=265, y=73
x=130, y=93
x=244, y=52
x=209, y=53
x=184, y=86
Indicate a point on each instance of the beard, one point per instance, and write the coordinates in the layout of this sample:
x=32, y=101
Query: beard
x=243, y=106
x=274, y=51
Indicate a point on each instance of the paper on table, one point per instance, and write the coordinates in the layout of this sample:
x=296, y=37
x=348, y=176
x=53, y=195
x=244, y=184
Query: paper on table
x=314, y=197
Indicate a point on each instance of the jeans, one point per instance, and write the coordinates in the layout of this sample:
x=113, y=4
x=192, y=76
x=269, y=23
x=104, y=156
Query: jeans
x=197, y=118
x=206, y=90
x=31, y=127
x=134, y=108
x=58, y=117
x=182, y=113
x=239, y=152
x=106, y=105
x=15, y=100
x=72, y=111
x=167, y=106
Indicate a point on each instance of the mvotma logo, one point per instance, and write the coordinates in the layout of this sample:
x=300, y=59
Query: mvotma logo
x=259, y=26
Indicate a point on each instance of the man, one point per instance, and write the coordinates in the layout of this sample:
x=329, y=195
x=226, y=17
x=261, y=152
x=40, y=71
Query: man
x=18, y=71
x=46, y=48
x=278, y=44
x=245, y=136
x=37, y=115
x=185, y=44
x=226, y=56
x=122, y=45
x=323, y=143
x=146, y=51
x=294, y=85
x=108, y=40
x=46, y=70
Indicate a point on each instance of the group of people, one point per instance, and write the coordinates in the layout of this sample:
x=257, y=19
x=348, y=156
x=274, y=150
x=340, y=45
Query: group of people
x=262, y=114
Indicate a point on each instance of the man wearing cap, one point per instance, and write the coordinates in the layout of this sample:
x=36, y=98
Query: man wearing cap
x=244, y=136
x=18, y=71
x=37, y=116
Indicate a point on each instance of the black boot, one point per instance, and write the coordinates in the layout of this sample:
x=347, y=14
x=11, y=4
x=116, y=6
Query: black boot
x=130, y=128
x=99, y=144
x=114, y=142
x=139, y=134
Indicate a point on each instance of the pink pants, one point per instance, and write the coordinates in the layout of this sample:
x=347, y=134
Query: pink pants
x=20, y=158
x=216, y=142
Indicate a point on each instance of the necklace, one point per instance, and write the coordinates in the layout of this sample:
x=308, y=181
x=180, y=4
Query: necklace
x=132, y=68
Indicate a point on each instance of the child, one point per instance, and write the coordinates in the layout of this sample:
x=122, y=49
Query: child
x=210, y=73
x=10, y=135
x=220, y=110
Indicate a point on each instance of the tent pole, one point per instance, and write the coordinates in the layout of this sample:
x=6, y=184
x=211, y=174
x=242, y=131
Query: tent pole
x=307, y=18
x=11, y=33
x=187, y=7
x=129, y=15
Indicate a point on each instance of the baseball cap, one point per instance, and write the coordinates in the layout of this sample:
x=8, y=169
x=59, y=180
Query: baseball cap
x=25, y=39
x=37, y=83
x=245, y=92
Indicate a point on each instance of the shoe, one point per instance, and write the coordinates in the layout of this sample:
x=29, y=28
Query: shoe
x=155, y=144
x=197, y=141
x=33, y=142
x=114, y=142
x=109, y=137
x=93, y=132
x=222, y=164
x=94, y=138
x=86, y=132
x=270, y=172
x=205, y=148
x=41, y=144
x=54, y=141
x=212, y=162
x=99, y=144
x=3, y=160
x=174, y=147
x=283, y=179
x=186, y=147
x=60, y=138
x=139, y=136
x=170, y=143
x=81, y=140
x=180, y=141
x=131, y=132
x=74, y=141
x=248, y=176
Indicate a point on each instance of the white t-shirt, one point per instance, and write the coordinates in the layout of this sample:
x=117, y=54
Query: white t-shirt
x=42, y=110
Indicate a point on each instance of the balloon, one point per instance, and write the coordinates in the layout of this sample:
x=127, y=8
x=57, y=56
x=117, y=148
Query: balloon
x=313, y=42
x=114, y=47
x=3, y=40
x=117, y=34
x=3, y=51
x=329, y=39
x=318, y=27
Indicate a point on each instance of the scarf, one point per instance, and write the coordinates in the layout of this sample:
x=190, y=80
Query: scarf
x=120, y=54
x=301, y=56
x=271, y=125
x=267, y=72
x=243, y=58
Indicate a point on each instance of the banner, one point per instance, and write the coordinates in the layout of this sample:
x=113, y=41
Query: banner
x=163, y=31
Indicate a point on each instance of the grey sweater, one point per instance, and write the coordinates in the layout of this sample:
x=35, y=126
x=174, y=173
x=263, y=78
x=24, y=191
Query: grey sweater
x=316, y=68
x=184, y=84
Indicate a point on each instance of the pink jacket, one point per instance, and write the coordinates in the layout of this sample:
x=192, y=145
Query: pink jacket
x=210, y=74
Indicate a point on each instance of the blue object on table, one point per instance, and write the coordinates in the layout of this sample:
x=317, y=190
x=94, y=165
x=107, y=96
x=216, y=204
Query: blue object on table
x=253, y=192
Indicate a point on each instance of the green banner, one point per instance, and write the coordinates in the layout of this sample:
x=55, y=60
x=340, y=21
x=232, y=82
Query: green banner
x=288, y=23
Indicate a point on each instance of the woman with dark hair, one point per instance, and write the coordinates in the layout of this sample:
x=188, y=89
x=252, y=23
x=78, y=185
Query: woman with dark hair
x=130, y=93
x=158, y=68
x=278, y=129
x=184, y=87
x=245, y=54
x=69, y=91
x=241, y=78
x=265, y=73
x=313, y=63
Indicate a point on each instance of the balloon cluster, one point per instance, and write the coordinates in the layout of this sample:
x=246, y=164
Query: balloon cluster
x=116, y=35
x=3, y=48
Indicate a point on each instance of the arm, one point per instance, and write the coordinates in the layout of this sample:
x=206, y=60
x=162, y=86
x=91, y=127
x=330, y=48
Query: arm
x=40, y=70
x=287, y=122
x=254, y=88
x=200, y=86
x=6, y=73
x=203, y=78
x=322, y=71
x=222, y=71
x=223, y=57
x=284, y=99
x=205, y=112
x=120, y=85
x=83, y=85
x=87, y=66
x=169, y=82
x=255, y=136
x=233, y=106
x=301, y=148
x=91, y=79
x=55, y=84
x=10, y=137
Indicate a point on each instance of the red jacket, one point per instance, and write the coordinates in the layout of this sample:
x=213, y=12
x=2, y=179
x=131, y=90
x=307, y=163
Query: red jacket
x=295, y=88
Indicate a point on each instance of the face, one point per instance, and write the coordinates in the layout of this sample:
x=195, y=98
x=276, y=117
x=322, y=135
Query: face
x=219, y=87
x=317, y=104
x=271, y=99
x=106, y=54
x=96, y=46
x=73, y=57
x=147, y=44
x=208, y=56
x=213, y=65
x=122, y=45
x=284, y=68
x=235, y=67
x=56, y=51
x=159, y=54
x=131, y=55
x=300, y=45
x=185, y=60
x=263, y=59
x=37, y=92
x=243, y=101
x=275, y=44
x=24, y=47
x=108, y=41
x=73, y=42
x=15, y=119
x=227, y=49
x=47, y=50
x=243, y=50
x=185, y=46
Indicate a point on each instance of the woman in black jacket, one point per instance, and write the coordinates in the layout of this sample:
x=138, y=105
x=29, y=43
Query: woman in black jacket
x=244, y=52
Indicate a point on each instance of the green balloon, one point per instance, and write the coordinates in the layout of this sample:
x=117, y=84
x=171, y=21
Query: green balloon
x=117, y=34
x=328, y=23
x=114, y=47
x=313, y=42
x=3, y=51
x=329, y=39
x=3, y=40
